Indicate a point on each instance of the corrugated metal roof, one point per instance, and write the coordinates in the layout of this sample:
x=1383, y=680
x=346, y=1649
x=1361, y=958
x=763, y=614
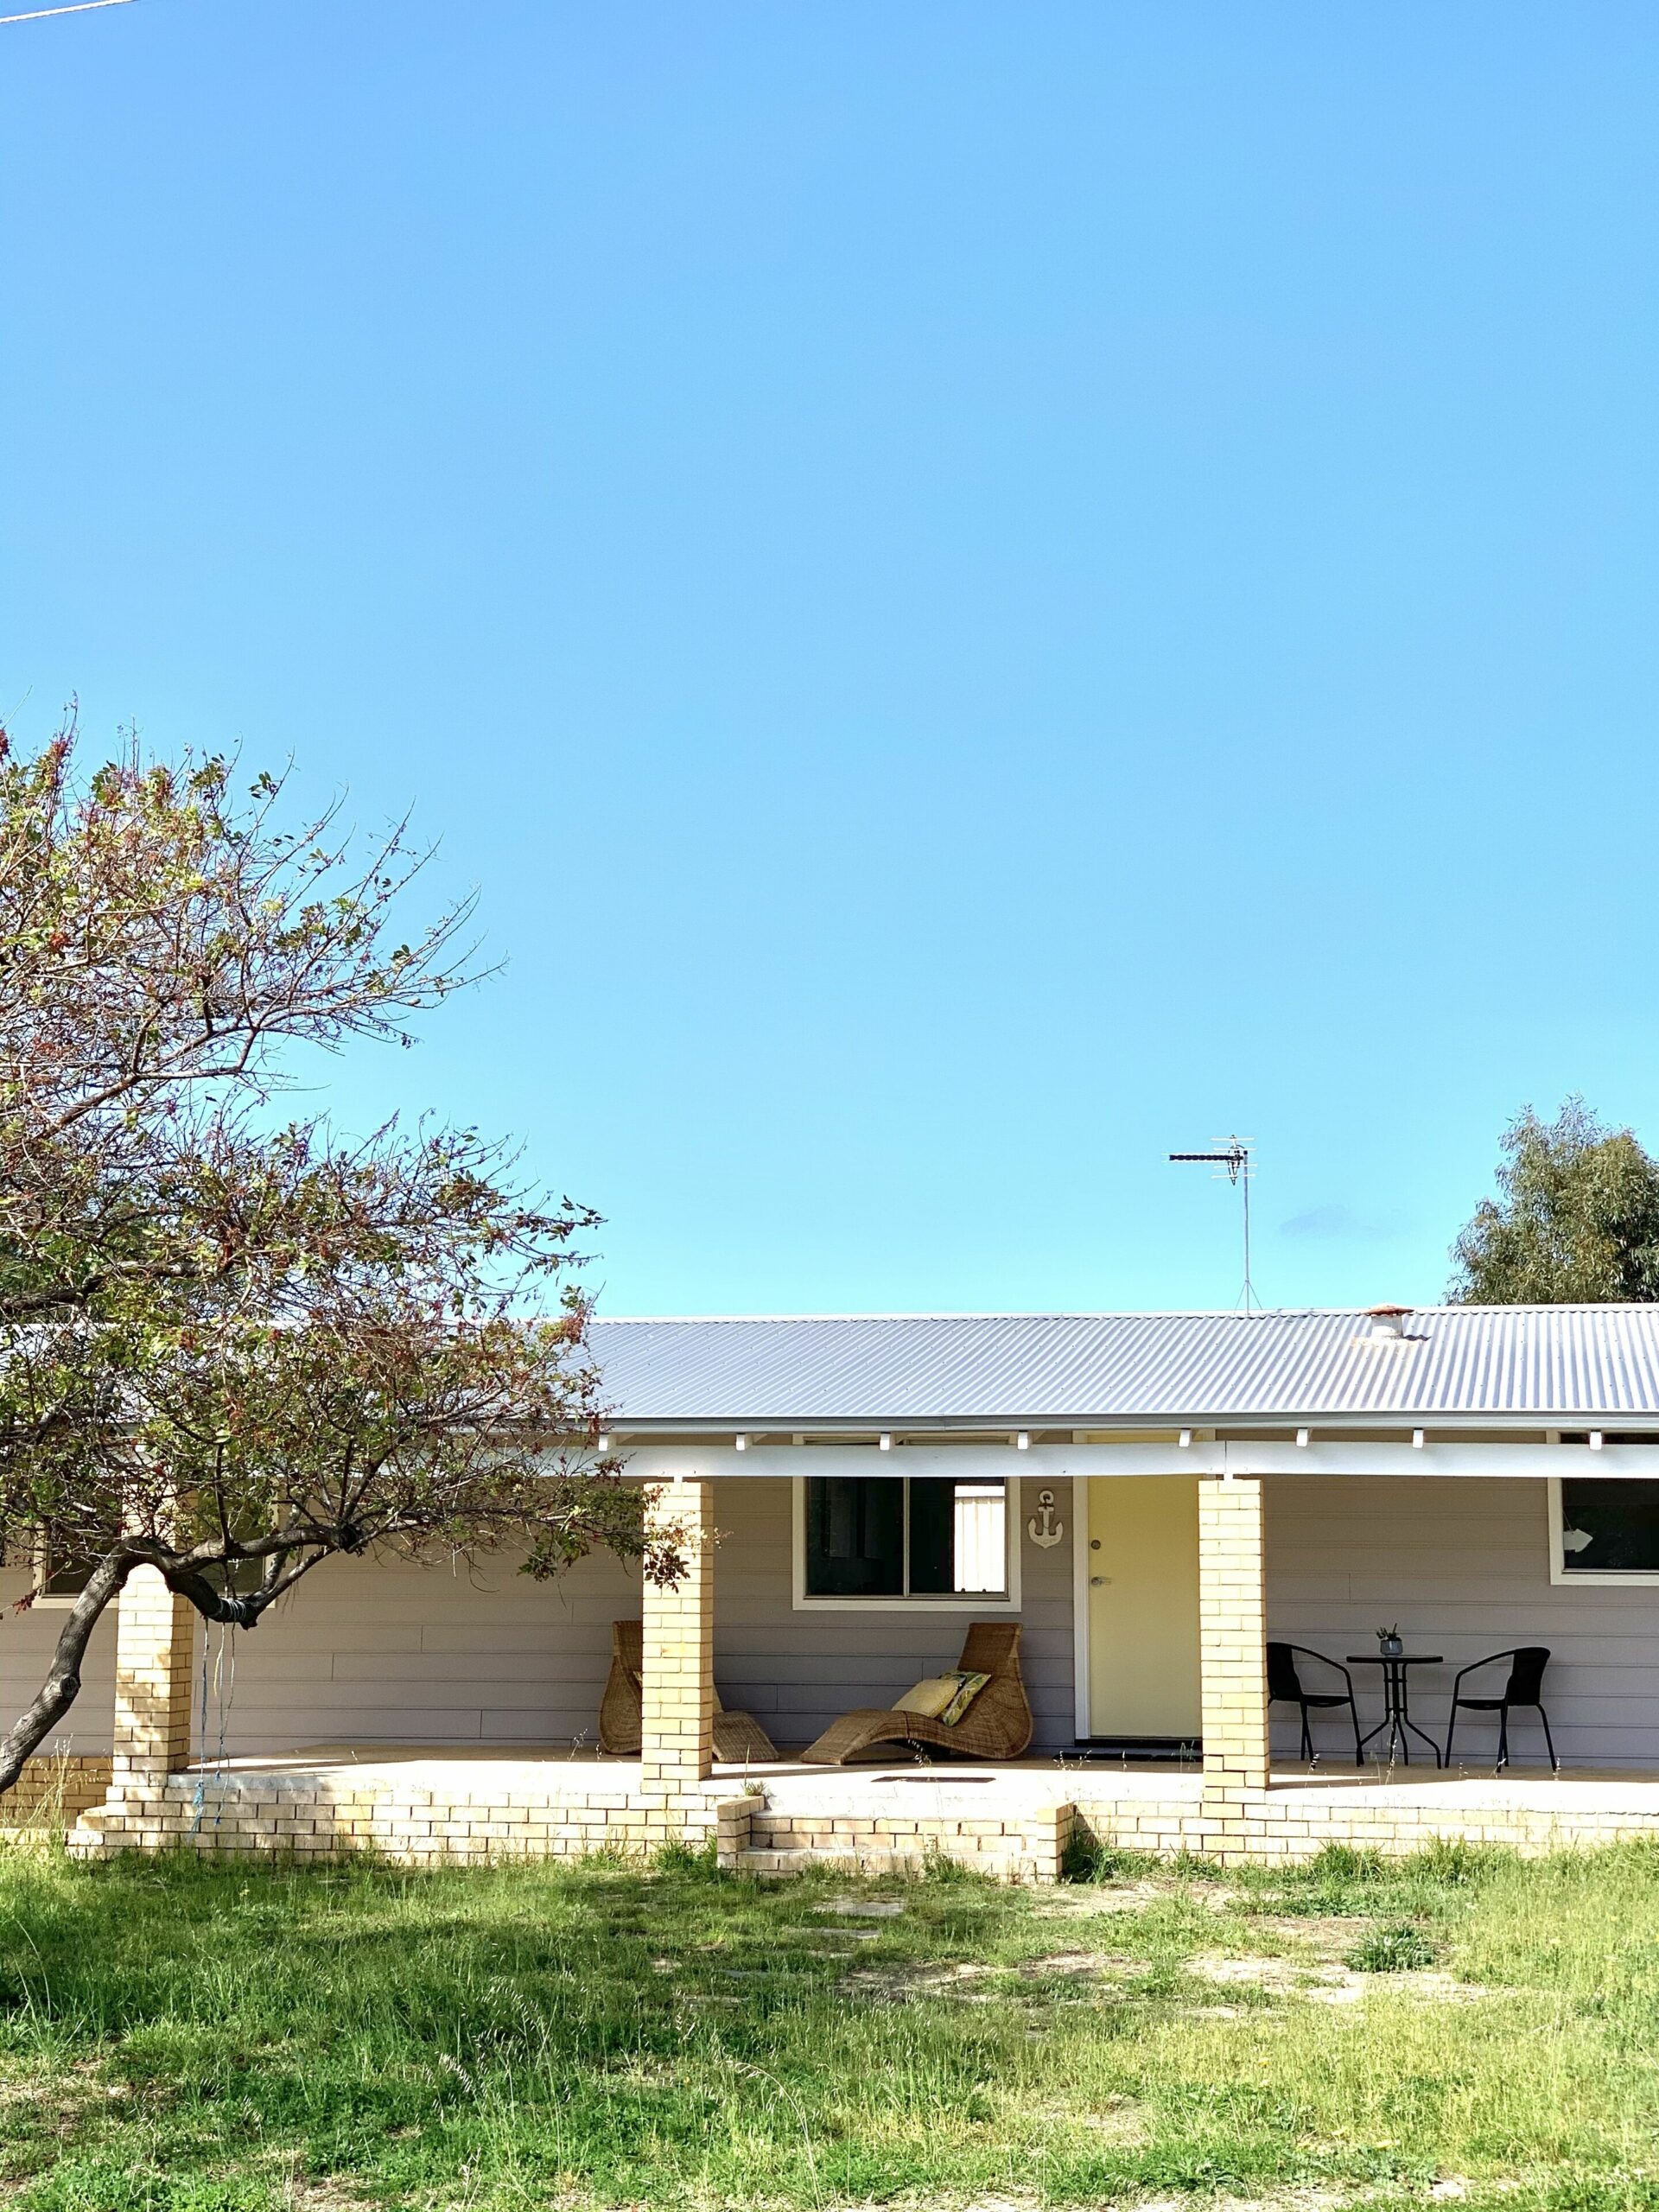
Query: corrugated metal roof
x=1066, y=1370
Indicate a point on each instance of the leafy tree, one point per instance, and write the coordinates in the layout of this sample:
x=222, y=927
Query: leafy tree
x=232, y=1347
x=1576, y=1222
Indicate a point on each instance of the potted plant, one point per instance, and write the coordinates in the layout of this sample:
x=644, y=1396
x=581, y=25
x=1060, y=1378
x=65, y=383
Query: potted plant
x=1389, y=1642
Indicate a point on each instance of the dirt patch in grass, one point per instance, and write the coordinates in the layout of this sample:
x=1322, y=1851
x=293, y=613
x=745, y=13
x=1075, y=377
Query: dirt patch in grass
x=975, y=1982
x=1333, y=1934
x=1308, y=1971
x=1433, y=1987
x=1080, y=1963
x=57, y=2104
x=1288, y=2200
x=1123, y=2121
x=902, y=1983
x=36, y=2095
x=1304, y=1977
x=330, y=2194
x=911, y=2203
x=1322, y=1981
x=1088, y=1898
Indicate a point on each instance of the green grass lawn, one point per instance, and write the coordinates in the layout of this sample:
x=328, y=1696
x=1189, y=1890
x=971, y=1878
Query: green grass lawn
x=178, y=2035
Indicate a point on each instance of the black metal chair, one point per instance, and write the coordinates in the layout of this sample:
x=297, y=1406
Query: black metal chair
x=1528, y=1662
x=1285, y=1686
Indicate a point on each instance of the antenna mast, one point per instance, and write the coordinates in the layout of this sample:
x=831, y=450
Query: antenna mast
x=1235, y=1160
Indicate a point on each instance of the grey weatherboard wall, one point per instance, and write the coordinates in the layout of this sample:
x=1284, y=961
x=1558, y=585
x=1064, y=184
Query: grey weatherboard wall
x=384, y=1654
x=368, y=1653
x=1464, y=1568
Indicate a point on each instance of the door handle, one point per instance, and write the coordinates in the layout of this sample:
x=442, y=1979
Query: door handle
x=1098, y=1581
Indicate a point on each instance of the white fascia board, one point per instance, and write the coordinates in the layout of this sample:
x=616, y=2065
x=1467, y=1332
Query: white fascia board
x=656, y=1463
x=1629, y=1461
x=662, y=1462
x=1531, y=1427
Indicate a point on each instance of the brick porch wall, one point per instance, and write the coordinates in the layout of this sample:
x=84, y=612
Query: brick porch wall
x=55, y=1788
x=303, y=1817
x=1287, y=1825
x=308, y=1818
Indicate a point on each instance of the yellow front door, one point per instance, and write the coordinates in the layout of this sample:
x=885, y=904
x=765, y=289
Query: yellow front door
x=1144, y=1605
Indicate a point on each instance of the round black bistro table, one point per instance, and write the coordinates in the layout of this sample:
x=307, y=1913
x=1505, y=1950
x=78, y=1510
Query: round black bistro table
x=1396, y=1707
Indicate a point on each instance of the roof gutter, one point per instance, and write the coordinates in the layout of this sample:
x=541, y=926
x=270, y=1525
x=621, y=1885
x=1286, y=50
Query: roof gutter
x=780, y=1427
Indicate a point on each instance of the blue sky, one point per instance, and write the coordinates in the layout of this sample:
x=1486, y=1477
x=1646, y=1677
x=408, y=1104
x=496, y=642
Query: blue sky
x=984, y=592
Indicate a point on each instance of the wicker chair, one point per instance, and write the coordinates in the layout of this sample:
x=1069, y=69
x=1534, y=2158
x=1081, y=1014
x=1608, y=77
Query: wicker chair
x=996, y=1725
x=738, y=1736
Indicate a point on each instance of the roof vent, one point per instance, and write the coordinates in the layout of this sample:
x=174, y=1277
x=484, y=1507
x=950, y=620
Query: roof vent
x=1387, y=1323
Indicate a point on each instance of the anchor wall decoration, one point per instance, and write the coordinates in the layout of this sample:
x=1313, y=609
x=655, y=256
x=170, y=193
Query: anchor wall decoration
x=1042, y=1528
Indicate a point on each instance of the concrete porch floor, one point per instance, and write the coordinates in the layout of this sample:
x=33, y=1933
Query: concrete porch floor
x=903, y=1787
x=420, y=1804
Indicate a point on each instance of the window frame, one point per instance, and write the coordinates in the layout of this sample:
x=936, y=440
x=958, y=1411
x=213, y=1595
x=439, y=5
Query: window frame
x=1604, y=1577
x=41, y=1571
x=975, y=1602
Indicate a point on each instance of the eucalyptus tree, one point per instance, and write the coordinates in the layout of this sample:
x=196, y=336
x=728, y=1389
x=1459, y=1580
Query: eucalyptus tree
x=1576, y=1219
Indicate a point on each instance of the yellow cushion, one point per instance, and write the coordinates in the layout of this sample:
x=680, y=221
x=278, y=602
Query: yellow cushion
x=931, y=1697
x=969, y=1685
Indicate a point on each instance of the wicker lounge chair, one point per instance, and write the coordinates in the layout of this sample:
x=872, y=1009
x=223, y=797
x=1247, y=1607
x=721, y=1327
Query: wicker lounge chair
x=738, y=1736
x=996, y=1725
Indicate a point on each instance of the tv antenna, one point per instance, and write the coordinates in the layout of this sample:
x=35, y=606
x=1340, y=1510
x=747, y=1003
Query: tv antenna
x=1233, y=1160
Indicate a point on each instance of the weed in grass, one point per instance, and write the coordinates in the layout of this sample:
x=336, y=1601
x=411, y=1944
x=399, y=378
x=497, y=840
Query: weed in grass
x=941, y=1872
x=1087, y=1860
x=684, y=1858
x=1452, y=1863
x=1623, y=2190
x=1400, y=1947
x=1342, y=1880
x=1344, y=1865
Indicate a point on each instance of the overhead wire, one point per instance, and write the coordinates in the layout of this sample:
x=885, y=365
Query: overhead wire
x=74, y=8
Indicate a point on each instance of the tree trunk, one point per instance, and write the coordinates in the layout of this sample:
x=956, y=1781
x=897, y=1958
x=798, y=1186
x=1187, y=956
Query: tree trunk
x=62, y=1686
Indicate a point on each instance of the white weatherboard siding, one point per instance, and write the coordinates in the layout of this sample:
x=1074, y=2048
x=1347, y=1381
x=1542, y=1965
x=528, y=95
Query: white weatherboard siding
x=370, y=1654
x=363, y=1653
x=382, y=1654
x=1464, y=1568
x=27, y=1640
x=367, y=1653
x=798, y=1671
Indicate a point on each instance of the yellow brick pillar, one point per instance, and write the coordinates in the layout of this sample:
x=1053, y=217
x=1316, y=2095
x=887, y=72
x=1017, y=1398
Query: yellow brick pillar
x=677, y=1672
x=1232, y=1646
x=155, y=1665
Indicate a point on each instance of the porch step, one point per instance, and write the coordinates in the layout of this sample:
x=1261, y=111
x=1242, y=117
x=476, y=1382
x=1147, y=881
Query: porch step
x=879, y=1859
x=796, y=1861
